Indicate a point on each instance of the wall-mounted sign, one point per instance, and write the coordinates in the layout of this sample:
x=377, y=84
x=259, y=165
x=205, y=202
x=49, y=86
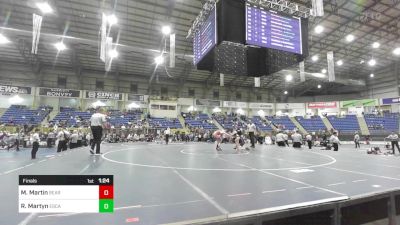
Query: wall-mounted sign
x=103, y=95
x=255, y=105
x=58, y=92
x=390, y=101
x=321, y=105
x=207, y=102
x=11, y=89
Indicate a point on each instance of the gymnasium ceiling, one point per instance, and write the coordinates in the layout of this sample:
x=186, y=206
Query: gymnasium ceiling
x=140, y=39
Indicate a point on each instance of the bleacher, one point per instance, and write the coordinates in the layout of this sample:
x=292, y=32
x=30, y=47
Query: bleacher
x=229, y=122
x=117, y=118
x=163, y=123
x=199, y=121
x=312, y=124
x=348, y=124
x=71, y=117
x=284, y=122
x=382, y=124
x=21, y=115
x=260, y=124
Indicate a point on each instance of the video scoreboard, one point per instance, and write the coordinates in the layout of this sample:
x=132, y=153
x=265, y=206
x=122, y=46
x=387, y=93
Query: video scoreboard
x=270, y=29
x=66, y=194
x=205, y=38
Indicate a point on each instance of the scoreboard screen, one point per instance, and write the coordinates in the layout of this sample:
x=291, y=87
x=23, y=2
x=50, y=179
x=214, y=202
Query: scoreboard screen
x=272, y=30
x=205, y=39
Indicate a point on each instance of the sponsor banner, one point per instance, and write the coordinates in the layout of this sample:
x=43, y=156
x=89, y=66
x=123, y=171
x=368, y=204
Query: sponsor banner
x=136, y=98
x=207, y=102
x=11, y=89
x=58, y=92
x=241, y=104
x=359, y=103
x=103, y=95
x=290, y=106
x=255, y=105
x=229, y=104
x=321, y=105
x=389, y=101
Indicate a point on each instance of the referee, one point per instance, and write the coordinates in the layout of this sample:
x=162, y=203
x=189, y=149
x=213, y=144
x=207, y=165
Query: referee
x=96, y=125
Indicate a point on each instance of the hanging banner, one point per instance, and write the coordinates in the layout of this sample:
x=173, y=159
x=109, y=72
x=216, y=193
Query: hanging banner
x=136, y=98
x=390, y=101
x=172, y=46
x=58, y=92
x=207, y=102
x=358, y=103
x=103, y=95
x=256, y=105
x=10, y=89
x=257, y=82
x=322, y=105
x=302, y=72
x=331, y=67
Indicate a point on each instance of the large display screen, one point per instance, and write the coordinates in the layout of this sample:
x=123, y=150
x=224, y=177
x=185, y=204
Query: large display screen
x=271, y=30
x=205, y=38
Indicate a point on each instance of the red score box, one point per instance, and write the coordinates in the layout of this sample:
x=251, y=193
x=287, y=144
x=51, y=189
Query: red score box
x=106, y=192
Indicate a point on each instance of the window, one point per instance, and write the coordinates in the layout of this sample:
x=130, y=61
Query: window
x=216, y=94
x=99, y=85
x=191, y=93
x=62, y=82
x=163, y=107
x=155, y=106
x=259, y=98
x=164, y=91
x=238, y=95
x=171, y=107
x=134, y=88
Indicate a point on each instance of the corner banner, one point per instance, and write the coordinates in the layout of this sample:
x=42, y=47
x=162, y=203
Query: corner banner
x=390, y=101
x=207, y=102
x=322, y=105
x=11, y=89
x=255, y=105
x=358, y=103
x=103, y=95
x=137, y=98
x=57, y=92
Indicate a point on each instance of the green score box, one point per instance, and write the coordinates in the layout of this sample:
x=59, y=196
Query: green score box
x=106, y=205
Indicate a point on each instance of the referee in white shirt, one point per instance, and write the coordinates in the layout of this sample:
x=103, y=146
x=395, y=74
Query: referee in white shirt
x=35, y=139
x=96, y=125
x=251, y=128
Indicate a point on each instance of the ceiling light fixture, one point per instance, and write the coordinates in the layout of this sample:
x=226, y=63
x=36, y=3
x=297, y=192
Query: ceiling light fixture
x=60, y=46
x=319, y=86
x=350, y=38
x=339, y=63
x=166, y=30
x=319, y=29
x=159, y=60
x=376, y=45
x=113, y=53
x=44, y=7
x=4, y=39
x=372, y=75
x=324, y=71
x=372, y=62
x=396, y=51
x=286, y=92
x=289, y=78
x=112, y=19
x=314, y=58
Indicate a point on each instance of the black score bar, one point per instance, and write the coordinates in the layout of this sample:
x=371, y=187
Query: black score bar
x=66, y=179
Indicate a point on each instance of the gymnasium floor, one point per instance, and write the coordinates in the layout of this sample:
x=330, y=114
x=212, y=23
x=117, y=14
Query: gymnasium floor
x=159, y=184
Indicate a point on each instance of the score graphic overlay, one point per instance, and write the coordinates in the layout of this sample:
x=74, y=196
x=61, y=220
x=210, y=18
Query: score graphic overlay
x=205, y=38
x=271, y=30
x=66, y=194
